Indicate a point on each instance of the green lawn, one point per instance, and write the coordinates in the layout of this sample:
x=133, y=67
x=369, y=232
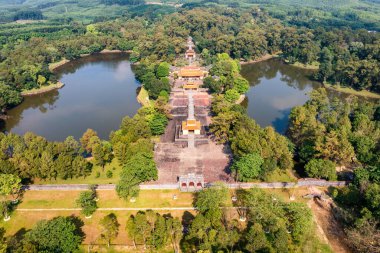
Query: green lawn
x=93, y=178
x=108, y=198
x=312, y=66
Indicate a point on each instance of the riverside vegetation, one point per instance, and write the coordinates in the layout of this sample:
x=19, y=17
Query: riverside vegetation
x=345, y=56
x=322, y=134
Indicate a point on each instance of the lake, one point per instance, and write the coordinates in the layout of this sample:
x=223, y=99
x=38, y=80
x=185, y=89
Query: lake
x=276, y=87
x=99, y=91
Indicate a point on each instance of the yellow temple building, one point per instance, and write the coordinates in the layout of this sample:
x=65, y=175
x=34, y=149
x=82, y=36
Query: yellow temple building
x=191, y=125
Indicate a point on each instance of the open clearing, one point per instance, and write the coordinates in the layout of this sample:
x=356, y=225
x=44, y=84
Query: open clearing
x=326, y=228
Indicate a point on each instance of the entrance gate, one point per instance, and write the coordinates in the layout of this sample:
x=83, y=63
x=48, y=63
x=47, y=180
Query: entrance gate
x=191, y=182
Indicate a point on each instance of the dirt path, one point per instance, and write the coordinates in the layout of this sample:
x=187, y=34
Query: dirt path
x=328, y=228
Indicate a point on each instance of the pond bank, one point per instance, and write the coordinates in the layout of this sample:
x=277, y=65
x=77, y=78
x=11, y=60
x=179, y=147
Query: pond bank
x=314, y=67
x=241, y=99
x=263, y=58
x=54, y=65
x=143, y=97
x=42, y=89
x=351, y=91
x=99, y=91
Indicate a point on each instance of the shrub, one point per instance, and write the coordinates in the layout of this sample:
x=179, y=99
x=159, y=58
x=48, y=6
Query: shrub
x=232, y=95
x=320, y=168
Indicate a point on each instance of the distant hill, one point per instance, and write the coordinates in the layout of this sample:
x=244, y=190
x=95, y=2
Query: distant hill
x=334, y=13
x=82, y=10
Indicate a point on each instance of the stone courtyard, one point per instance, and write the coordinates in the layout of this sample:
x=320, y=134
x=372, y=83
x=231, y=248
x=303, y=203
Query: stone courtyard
x=210, y=160
x=182, y=152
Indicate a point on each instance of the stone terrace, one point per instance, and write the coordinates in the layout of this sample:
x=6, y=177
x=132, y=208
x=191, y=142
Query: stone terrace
x=208, y=159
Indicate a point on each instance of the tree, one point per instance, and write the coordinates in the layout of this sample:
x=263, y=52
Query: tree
x=41, y=80
x=213, y=85
x=232, y=95
x=210, y=200
x=4, y=209
x=159, y=233
x=163, y=69
x=241, y=85
x=63, y=166
x=61, y=234
x=321, y=168
x=158, y=124
x=47, y=165
x=85, y=140
x=140, y=168
x=110, y=228
x=222, y=125
x=225, y=66
x=300, y=222
x=335, y=146
x=120, y=151
x=87, y=202
x=248, y=167
x=228, y=235
x=10, y=185
x=372, y=196
x=201, y=233
x=174, y=228
x=143, y=228
x=8, y=97
x=3, y=242
x=325, y=67
x=81, y=167
x=256, y=239
x=132, y=230
x=102, y=153
x=128, y=186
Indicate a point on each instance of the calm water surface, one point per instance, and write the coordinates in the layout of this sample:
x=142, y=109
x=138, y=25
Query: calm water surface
x=275, y=88
x=99, y=91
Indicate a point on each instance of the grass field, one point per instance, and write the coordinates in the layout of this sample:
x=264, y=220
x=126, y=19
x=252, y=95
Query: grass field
x=107, y=199
x=23, y=220
x=93, y=178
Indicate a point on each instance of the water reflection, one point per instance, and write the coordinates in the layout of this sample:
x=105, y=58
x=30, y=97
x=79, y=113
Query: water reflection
x=276, y=88
x=99, y=91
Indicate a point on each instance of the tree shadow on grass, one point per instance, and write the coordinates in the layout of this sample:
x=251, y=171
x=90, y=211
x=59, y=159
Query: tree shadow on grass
x=15, y=241
x=78, y=225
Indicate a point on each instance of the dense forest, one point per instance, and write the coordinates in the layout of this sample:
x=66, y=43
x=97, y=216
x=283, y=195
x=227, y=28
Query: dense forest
x=330, y=132
x=346, y=57
x=323, y=134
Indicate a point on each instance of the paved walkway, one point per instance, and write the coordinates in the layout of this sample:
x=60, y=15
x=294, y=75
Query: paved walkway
x=182, y=208
x=191, y=140
x=277, y=185
x=190, y=106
